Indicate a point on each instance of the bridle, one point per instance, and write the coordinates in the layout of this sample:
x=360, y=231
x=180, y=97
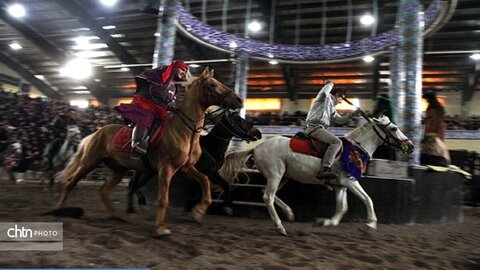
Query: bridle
x=382, y=127
x=388, y=135
x=234, y=128
x=207, y=91
x=210, y=91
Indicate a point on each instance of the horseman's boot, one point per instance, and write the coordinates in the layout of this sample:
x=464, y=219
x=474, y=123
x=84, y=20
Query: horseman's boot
x=139, y=142
x=327, y=174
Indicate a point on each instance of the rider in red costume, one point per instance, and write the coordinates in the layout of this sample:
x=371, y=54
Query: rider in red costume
x=155, y=91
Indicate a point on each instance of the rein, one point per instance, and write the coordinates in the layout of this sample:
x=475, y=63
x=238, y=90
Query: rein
x=233, y=129
x=209, y=91
x=374, y=125
x=185, y=119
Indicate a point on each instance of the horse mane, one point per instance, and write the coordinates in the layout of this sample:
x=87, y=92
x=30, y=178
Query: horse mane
x=359, y=131
x=189, y=79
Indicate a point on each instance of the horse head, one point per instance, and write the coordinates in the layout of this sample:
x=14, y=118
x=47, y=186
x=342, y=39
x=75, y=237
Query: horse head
x=393, y=135
x=73, y=134
x=216, y=93
x=240, y=127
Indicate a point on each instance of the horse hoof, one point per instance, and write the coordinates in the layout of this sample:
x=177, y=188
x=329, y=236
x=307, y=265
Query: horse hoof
x=228, y=210
x=118, y=218
x=281, y=231
x=163, y=231
x=197, y=216
x=372, y=224
x=321, y=222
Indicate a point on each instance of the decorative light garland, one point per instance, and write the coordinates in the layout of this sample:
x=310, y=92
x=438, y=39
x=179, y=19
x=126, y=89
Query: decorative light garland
x=219, y=40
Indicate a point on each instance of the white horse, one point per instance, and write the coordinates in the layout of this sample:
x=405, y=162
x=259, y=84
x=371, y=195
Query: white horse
x=61, y=157
x=275, y=160
x=11, y=159
x=68, y=148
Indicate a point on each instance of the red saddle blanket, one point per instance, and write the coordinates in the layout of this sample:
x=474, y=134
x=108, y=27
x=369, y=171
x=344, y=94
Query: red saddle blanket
x=121, y=140
x=310, y=147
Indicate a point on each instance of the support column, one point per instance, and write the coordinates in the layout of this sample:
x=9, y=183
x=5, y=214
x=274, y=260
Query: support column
x=241, y=78
x=411, y=44
x=165, y=42
x=396, y=90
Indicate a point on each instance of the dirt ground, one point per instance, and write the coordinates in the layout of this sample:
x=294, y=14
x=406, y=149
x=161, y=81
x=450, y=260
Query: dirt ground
x=222, y=242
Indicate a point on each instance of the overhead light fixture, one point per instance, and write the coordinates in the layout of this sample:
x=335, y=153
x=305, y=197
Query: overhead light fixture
x=194, y=65
x=108, y=3
x=117, y=35
x=273, y=62
x=233, y=44
x=15, y=46
x=124, y=68
x=157, y=34
x=16, y=10
x=475, y=56
x=80, y=103
x=77, y=68
x=82, y=42
x=40, y=77
x=254, y=26
x=108, y=27
x=91, y=46
x=367, y=19
x=81, y=92
x=368, y=58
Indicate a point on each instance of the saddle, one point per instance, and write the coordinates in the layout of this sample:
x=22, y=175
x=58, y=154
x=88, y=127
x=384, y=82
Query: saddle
x=303, y=144
x=353, y=158
x=123, y=137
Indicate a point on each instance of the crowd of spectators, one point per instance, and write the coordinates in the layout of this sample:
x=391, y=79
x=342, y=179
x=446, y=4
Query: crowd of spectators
x=27, y=121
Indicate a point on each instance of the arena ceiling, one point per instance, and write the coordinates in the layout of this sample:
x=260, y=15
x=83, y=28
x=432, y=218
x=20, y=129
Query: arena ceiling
x=125, y=34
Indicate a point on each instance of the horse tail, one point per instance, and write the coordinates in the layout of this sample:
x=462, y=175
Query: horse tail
x=74, y=162
x=234, y=162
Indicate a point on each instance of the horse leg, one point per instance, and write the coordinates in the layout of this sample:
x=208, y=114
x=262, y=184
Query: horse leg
x=269, y=198
x=11, y=175
x=164, y=178
x=227, y=194
x=202, y=207
x=133, y=186
x=357, y=189
x=341, y=207
x=285, y=208
x=113, y=179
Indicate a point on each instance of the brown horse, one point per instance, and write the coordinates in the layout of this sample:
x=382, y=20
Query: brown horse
x=178, y=150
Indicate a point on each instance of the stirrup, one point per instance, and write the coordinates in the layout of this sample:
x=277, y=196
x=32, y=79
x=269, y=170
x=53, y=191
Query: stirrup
x=137, y=148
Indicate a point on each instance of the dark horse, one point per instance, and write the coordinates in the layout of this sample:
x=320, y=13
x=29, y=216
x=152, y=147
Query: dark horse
x=214, y=145
x=178, y=150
